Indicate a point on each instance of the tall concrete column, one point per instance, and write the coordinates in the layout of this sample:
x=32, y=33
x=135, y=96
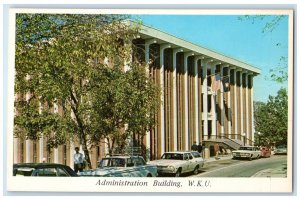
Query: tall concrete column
x=230, y=122
x=235, y=103
x=55, y=150
x=162, y=111
x=16, y=150
x=197, y=58
x=205, y=64
x=252, y=108
x=247, y=108
x=186, y=110
x=213, y=105
x=71, y=164
x=147, y=57
x=28, y=151
x=204, y=90
x=175, y=51
x=41, y=140
x=222, y=100
x=28, y=155
x=242, y=104
x=16, y=140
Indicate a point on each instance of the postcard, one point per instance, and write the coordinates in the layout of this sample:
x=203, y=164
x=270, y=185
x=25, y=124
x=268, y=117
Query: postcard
x=150, y=100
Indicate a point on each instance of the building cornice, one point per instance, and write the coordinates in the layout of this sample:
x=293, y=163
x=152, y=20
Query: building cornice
x=162, y=37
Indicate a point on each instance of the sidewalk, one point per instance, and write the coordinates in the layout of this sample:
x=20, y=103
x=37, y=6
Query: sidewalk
x=275, y=173
x=223, y=157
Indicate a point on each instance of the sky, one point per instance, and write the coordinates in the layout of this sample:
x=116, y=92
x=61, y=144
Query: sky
x=240, y=39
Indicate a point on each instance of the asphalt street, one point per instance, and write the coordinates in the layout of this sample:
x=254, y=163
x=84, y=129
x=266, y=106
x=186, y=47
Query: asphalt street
x=245, y=168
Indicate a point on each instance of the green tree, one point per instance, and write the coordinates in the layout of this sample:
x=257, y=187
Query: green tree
x=77, y=63
x=271, y=119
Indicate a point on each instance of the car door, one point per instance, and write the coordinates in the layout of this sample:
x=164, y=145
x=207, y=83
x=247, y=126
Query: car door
x=197, y=158
x=192, y=162
x=47, y=171
x=140, y=167
x=186, y=163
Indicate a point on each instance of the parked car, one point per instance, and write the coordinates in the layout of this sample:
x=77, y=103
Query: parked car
x=42, y=169
x=265, y=152
x=246, y=152
x=177, y=163
x=280, y=149
x=122, y=166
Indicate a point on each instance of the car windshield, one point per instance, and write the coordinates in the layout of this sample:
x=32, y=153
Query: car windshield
x=172, y=156
x=112, y=162
x=246, y=148
x=196, y=154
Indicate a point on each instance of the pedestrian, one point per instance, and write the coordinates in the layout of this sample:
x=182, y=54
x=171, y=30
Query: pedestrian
x=217, y=150
x=194, y=147
x=199, y=148
x=78, y=160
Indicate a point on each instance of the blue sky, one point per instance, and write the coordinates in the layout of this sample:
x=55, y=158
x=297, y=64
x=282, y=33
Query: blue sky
x=239, y=39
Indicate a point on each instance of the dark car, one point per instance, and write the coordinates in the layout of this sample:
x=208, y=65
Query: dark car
x=265, y=152
x=42, y=169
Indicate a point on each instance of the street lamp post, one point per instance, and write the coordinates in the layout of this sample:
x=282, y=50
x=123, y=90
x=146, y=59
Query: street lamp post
x=243, y=134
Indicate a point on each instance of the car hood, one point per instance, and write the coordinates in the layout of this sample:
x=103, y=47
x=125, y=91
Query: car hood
x=244, y=151
x=241, y=151
x=165, y=162
x=102, y=171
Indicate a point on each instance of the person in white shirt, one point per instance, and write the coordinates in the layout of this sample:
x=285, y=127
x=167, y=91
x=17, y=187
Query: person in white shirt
x=78, y=160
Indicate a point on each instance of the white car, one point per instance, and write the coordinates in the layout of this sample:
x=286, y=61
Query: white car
x=122, y=166
x=179, y=162
x=247, y=152
x=281, y=149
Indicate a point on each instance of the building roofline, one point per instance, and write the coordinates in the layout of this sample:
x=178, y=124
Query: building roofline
x=178, y=42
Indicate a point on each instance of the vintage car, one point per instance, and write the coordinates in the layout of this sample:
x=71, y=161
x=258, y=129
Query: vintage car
x=122, y=166
x=179, y=162
x=42, y=169
x=280, y=149
x=265, y=152
x=246, y=152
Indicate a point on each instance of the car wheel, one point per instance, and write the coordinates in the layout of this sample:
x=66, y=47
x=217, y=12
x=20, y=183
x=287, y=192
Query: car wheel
x=196, y=170
x=178, y=173
x=250, y=158
x=149, y=175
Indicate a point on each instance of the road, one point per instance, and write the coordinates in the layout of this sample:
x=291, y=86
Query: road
x=242, y=168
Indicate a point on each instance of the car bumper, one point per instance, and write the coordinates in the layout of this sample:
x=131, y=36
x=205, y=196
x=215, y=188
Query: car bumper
x=166, y=171
x=241, y=156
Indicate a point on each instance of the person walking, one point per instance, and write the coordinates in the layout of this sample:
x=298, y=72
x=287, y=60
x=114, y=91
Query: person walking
x=194, y=147
x=199, y=148
x=78, y=160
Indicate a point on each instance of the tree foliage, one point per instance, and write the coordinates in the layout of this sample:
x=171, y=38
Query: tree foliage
x=76, y=62
x=271, y=118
